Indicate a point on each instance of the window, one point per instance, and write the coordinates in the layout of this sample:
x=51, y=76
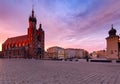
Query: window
x=39, y=38
x=19, y=44
x=23, y=44
x=16, y=45
x=6, y=47
x=10, y=45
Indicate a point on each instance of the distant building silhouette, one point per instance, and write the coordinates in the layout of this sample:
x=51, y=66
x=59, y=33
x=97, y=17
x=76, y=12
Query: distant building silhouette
x=113, y=45
x=26, y=46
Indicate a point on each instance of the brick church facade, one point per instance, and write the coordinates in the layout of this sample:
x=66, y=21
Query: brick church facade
x=26, y=46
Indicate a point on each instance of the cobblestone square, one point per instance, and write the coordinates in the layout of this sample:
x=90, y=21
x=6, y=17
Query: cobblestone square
x=31, y=71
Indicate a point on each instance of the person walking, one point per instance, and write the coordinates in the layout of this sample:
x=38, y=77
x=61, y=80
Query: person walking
x=87, y=58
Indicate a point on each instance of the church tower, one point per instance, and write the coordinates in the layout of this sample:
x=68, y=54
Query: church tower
x=112, y=44
x=40, y=41
x=32, y=35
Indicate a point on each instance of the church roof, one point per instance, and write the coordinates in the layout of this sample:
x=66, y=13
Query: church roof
x=17, y=39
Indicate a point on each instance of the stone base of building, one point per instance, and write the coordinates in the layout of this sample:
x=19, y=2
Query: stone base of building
x=112, y=58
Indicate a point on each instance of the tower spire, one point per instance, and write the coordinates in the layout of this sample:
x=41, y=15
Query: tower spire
x=32, y=10
x=32, y=18
x=112, y=26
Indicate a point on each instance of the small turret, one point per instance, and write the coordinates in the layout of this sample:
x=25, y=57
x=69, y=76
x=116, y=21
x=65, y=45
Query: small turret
x=40, y=27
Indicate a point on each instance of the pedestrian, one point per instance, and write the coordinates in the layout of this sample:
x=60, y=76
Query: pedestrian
x=87, y=58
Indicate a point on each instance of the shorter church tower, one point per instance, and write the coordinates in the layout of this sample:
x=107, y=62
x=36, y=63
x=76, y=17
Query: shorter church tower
x=112, y=44
x=40, y=42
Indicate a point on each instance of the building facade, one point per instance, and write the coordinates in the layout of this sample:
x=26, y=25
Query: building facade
x=70, y=53
x=1, y=55
x=99, y=54
x=75, y=53
x=113, y=45
x=56, y=52
x=61, y=53
x=26, y=46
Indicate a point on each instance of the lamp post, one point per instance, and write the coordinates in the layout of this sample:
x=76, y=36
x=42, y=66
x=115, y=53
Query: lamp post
x=119, y=47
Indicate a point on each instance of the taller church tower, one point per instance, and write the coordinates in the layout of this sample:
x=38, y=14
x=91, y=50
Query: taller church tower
x=32, y=34
x=112, y=44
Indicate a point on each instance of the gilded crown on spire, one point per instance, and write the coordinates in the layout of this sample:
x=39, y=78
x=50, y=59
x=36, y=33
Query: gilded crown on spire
x=32, y=10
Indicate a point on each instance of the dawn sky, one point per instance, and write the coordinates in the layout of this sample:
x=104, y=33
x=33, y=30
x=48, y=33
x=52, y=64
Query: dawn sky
x=67, y=23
